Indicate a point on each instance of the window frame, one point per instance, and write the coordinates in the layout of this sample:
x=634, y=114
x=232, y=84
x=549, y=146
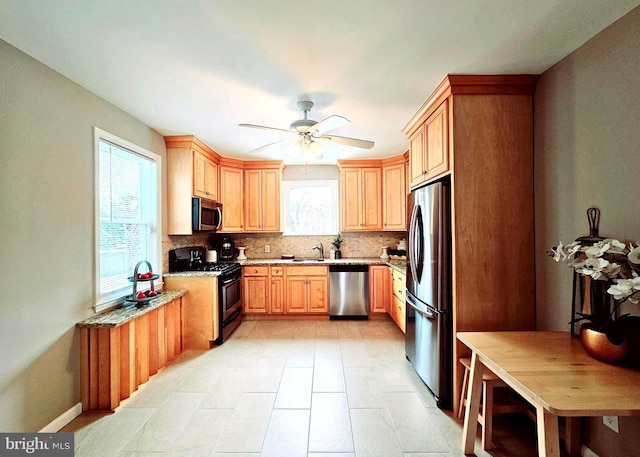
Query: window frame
x=284, y=209
x=154, y=243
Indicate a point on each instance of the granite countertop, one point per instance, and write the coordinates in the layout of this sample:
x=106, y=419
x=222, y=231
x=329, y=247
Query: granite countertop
x=398, y=264
x=117, y=317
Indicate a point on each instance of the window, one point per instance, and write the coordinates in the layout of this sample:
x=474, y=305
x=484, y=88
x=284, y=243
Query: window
x=310, y=207
x=127, y=215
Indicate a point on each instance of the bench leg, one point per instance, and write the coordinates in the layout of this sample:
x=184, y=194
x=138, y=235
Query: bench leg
x=487, y=416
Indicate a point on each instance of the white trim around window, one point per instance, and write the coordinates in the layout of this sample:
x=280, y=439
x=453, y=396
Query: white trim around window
x=131, y=218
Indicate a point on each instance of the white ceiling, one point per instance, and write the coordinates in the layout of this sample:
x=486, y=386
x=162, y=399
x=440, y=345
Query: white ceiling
x=202, y=67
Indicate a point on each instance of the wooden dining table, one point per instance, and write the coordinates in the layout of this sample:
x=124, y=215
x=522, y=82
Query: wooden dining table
x=552, y=372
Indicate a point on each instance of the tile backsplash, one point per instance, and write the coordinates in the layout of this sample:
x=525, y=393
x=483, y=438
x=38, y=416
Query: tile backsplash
x=355, y=245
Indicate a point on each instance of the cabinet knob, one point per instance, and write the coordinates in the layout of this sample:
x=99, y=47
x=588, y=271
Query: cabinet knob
x=255, y=271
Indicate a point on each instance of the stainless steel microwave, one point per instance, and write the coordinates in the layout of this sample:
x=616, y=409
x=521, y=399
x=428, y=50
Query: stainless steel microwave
x=207, y=215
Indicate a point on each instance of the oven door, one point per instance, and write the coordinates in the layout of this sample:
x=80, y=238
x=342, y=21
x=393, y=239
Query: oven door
x=230, y=305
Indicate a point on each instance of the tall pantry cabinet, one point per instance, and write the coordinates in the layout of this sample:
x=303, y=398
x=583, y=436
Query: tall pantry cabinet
x=479, y=131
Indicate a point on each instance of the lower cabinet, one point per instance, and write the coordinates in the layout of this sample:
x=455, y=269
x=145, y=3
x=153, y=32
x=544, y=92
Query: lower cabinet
x=306, y=289
x=379, y=288
x=397, y=310
x=201, y=325
x=263, y=289
x=115, y=360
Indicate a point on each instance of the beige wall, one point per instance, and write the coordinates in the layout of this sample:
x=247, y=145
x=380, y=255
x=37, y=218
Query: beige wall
x=46, y=232
x=587, y=153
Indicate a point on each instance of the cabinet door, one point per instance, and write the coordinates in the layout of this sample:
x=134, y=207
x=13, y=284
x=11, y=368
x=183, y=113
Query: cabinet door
x=379, y=288
x=416, y=157
x=256, y=294
x=271, y=200
x=205, y=177
x=371, y=198
x=351, y=199
x=394, y=200
x=296, y=294
x=253, y=200
x=436, y=142
x=231, y=192
x=318, y=297
x=276, y=304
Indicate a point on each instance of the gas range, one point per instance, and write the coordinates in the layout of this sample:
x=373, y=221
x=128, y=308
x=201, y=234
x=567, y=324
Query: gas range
x=192, y=259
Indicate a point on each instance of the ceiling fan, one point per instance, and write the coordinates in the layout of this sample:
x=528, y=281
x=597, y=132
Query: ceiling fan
x=307, y=131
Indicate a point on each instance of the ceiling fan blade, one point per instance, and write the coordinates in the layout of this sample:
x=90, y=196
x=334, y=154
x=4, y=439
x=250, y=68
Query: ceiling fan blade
x=262, y=127
x=330, y=123
x=270, y=145
x=342, y=140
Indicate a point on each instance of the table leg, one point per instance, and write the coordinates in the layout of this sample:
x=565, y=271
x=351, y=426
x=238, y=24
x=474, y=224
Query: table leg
x=548, y=438
x=573, y=428
x=473, y=405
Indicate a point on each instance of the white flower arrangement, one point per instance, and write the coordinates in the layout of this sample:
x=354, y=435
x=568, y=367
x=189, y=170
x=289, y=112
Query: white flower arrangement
x=608, y=259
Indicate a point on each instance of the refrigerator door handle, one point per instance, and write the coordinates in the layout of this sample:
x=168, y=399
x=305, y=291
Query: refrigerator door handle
x=425, y=312
x=416, y=257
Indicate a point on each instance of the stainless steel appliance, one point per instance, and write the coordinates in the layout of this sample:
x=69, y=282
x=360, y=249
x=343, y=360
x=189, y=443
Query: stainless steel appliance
x=229, y=279
x=206, y=215
x=227, y=249
x=349, y=291
x=428, y=341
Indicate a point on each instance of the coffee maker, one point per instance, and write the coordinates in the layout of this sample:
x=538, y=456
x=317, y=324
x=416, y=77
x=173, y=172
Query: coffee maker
x=227, y=249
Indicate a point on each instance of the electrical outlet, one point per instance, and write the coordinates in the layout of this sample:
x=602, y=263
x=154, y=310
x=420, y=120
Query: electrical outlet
x=267, y=248
x=611, y=422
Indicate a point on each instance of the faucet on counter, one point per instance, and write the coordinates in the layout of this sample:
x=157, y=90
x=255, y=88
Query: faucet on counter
x=320, y=248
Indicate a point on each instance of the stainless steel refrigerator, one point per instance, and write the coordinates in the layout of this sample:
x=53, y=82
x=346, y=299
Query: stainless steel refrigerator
x=428, y=343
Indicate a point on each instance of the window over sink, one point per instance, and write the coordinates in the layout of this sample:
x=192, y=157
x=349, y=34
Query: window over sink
x=127, y=215
x=310, y=207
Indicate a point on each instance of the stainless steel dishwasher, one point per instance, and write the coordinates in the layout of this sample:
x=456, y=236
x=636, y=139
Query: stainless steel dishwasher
x=349, y=291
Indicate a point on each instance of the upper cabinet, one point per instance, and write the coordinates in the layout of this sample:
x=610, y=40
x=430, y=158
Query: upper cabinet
x=394, y=193
x=360, y=195
x=192, y=171
x=231, y=195
x=262, y=196
x=428, y=147
x=205, y=182
x=373, y=194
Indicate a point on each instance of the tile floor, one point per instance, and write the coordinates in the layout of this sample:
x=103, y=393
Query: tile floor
x=286, y=389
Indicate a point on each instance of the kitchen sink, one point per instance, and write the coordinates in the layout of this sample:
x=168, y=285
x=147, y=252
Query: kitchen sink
x=308, y=260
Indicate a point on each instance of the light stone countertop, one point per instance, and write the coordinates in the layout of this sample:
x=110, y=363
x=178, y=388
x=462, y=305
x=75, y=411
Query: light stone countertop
x=398, y=264
x=118, y=316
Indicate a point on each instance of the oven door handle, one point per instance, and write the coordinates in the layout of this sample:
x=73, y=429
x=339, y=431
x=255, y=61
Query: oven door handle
x=230, y=280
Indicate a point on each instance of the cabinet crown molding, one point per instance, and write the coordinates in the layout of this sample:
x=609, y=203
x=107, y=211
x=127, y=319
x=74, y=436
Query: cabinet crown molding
x=523, y=84
x=191, y=142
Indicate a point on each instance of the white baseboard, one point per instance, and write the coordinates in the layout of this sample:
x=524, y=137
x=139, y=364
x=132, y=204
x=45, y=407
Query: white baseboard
x=586, y=452
x=63, y=419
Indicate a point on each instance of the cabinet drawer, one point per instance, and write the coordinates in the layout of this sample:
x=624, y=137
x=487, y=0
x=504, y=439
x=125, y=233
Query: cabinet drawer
x=306, y=271
x=255, y=270
x=277, y=271
x=398, y=284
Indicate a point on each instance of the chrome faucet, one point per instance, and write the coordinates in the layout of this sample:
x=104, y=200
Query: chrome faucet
x=320, y=248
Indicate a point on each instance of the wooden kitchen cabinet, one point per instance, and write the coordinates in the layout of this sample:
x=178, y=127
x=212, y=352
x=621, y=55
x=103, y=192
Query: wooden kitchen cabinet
x=306, y=289
x=263, y=289
x=262, y=196
x=488, y=143
x=428, y=147
x=200, y=309
x=360, y=195
x=397, y=309
x=205, y=183
x=379, y=288
x=394, y=194
x=276, y=301
x=116, y=359
x=257, y=289
x=192, y=171
x=231, y=195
